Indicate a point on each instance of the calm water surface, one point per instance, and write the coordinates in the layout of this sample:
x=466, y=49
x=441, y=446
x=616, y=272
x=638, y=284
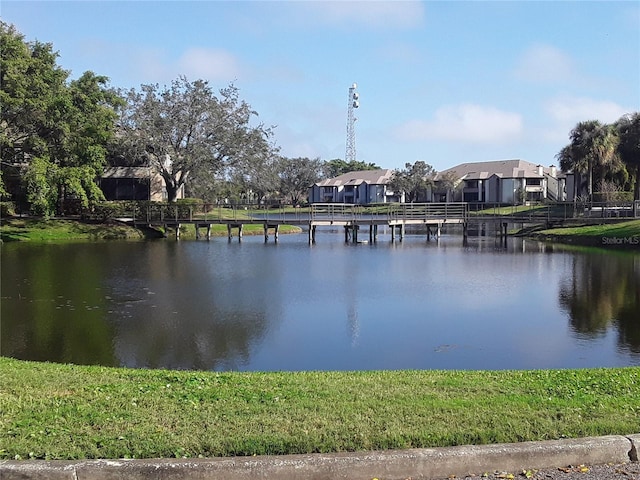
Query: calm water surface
x=219, y=305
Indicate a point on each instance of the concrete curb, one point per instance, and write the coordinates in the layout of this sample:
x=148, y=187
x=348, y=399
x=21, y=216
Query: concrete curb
x=422, y=463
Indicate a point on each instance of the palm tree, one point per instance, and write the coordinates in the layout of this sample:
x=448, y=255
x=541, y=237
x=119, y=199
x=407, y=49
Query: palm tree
x=593, y=146
x=567, y=163
x=628, y=128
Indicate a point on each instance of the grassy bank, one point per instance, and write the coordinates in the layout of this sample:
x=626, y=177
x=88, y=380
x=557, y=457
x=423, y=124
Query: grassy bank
x=63, y=411
x=60, y=230
x=616, y=235
x=189, y=232
x=43, y=230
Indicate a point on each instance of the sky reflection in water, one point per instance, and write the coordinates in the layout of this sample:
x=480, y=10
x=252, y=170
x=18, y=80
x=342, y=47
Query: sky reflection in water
x=414, y=304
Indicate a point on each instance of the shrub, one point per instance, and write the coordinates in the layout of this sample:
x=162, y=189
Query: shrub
x=7, y=209
x=188, y=206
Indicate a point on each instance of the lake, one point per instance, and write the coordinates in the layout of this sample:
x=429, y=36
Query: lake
x=254, y=306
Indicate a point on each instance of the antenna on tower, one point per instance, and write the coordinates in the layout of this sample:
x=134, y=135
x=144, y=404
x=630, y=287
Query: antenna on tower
x=353, y=103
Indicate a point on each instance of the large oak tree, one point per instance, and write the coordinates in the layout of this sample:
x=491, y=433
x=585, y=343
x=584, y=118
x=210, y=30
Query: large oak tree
x=185, y=128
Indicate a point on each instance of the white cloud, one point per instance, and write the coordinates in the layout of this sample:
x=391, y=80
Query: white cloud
x=545, y=64
x=465, y=123
x=577, y=109
x=566, y=112
x=209, y=64
x=137, y=65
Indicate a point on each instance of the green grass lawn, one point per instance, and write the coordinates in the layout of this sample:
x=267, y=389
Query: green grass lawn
x=625, y=235
x=188, y=231
x=68, y=412
x=622, y=229
x=60, y=230
x=43, y=230
x=510, y=210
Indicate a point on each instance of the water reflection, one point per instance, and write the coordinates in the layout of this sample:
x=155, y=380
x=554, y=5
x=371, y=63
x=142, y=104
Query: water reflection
x=52, y=307
x=290, y=306
x=602, y=290
x=180, y=310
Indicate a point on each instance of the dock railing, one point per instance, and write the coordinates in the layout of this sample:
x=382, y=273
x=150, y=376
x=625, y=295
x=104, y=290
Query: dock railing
x=426, y=211
x=149, y=213
x=335, y=212
x=555, y=211
x=396, y=212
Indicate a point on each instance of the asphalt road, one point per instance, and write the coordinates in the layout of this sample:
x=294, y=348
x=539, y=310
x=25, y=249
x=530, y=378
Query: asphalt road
x=626, y=471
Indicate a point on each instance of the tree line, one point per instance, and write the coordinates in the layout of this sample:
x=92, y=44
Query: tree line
x=605, y=157
x=58, y=135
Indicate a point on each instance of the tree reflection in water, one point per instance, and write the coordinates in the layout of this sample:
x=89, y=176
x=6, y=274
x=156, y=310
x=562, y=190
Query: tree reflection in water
x=603, y=290
x=222, y=305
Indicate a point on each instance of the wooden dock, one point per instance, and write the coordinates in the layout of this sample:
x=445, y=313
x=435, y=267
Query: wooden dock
x=354, y=218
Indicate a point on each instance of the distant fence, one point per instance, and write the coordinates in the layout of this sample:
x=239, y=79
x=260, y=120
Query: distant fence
x=386, y=211
x=153, y=212
x=558, y=211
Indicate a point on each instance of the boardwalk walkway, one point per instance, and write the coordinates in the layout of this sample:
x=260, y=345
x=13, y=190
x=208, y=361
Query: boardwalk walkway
x=396, y=216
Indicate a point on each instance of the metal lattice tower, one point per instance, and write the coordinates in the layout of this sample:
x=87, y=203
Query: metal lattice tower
x=351, y=120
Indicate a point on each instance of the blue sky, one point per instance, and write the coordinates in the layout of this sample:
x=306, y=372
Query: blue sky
x=444, y=82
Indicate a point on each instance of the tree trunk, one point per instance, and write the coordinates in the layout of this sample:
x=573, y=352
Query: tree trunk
x=590, y=184
x=636, y=190
x=172, y=191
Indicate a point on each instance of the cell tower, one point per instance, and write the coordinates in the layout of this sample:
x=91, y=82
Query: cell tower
x=351, y=120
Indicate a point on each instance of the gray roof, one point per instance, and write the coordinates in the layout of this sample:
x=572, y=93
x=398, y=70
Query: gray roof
x=371, y=177
x=501, y=168
x=127, y=172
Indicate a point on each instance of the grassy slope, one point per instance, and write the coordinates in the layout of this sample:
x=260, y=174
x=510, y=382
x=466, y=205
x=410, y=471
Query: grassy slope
x=41, y=230
x=66, y=411
x=623, y=234
x=622, y=229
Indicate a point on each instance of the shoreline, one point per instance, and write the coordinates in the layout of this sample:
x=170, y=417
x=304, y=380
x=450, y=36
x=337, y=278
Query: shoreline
x=618, y=236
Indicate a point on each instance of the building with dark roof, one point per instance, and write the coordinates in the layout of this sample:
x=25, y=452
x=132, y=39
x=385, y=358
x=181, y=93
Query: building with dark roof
x=362, y=187
x=499, y=181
